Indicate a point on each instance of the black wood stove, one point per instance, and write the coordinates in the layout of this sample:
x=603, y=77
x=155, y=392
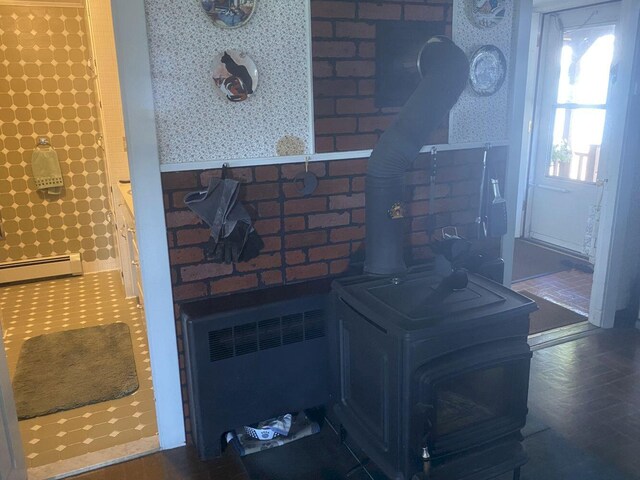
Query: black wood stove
x=436, y=387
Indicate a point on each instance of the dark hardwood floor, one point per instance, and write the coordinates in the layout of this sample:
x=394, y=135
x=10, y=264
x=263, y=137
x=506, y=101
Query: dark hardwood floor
x=584, y=410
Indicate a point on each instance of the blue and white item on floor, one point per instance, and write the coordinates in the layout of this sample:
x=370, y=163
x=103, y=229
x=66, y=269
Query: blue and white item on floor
x=246, y=441
x=268, y=429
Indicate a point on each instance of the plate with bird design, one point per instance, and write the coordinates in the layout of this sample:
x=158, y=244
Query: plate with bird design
x=229, y=13
x=235, y=74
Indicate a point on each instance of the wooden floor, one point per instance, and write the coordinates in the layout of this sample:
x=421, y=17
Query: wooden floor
x=585, y=392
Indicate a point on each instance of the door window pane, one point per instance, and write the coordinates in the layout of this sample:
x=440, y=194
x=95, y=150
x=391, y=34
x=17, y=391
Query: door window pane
x=577, y=137
x=585, y=65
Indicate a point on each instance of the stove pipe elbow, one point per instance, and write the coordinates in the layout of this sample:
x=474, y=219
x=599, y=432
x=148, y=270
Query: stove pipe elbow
x=445, y=70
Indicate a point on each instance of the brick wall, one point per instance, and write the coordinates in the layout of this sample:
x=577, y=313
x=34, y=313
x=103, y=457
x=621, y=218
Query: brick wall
x=310, y=237
x=344, y=32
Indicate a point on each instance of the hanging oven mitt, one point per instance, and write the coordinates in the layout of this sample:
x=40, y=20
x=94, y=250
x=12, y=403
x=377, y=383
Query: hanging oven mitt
x=46, y=170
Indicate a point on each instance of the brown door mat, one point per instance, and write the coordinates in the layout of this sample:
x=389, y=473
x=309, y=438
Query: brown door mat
x=550, y=315
x=531, y=261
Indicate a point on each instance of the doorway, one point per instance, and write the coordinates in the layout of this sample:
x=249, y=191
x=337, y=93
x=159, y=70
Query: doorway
x=49, y=94
x=555, y=254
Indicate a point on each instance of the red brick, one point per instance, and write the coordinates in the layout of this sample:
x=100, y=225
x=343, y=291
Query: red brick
x=295, y=257
x=261, y=262
x=329, y=252
x=339, y=168
x=471, y=187
x=342, y=87
x=304, y=272
x=339, y=266
x=321, y=29
x=189, y=291
x=431, y=13
x=374, y=11
x=357, y=216
x=192, y=236
x=266, y=173
x=418, y=238
x=171, y=242
x=353, y=30
x=333, y=49
x=453, y=174
x=177, y=199
x=347, y=233
x=375, y=124
x=292, y=224
x=418, y=177
x=329, y=9
x=181, y=219
x=306, y=205
x=267, y=227
x=423, y=192
x=342, y=202
x=355, y=68
x=180, y=180
x=367, y=50
x=419, y=208
x=234, y=284
x=183, y=256
x=290, y=170
x=358, y=184
x=272, y=277
x=307, y=239
x=325, y=220
x=366, y=87
x=332, y=185
x=461, y=218
x=450, y=204
x=241, y=174
x=335, y=125
x=272, y=244
x=165, y=201
x=205, y=271
x=345, y=143
x=346, y=106
x=322, y=69
x=269, y=209
x=325, y=144
x=263, y=191
x=324, y=106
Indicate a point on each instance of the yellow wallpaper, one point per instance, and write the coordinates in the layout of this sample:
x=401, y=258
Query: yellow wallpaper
x=45, y=90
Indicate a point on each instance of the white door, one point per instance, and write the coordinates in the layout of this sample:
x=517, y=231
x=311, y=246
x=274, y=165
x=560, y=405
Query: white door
x=571, y=107
x=12, y=465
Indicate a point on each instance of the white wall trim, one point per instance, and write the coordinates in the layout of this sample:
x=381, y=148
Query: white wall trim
x=520, y=62
x=619, y=174
x=318, y=157
x=137, y=98
x=312, y=125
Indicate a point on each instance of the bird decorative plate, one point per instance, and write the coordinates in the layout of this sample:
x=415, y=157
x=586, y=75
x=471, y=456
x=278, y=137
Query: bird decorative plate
x=486, y=13
x=235, y=74
x=229, y=13
x=488, y=69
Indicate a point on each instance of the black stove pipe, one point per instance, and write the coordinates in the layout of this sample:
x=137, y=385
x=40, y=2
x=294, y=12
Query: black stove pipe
x=445, y=70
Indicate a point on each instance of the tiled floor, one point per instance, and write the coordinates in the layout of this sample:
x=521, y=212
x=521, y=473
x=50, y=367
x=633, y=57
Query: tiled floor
x=570, y=289
x=68, y=303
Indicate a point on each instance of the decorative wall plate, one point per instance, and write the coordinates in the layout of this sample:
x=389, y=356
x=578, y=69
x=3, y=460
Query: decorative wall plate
x=488, y=69
x=235, y=74
x=229, y=13
x=486, y=13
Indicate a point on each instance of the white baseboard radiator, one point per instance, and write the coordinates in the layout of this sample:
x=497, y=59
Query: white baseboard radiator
x=40, y=268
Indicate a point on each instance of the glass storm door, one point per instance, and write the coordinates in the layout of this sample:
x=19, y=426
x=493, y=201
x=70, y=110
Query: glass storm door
x=576, y=59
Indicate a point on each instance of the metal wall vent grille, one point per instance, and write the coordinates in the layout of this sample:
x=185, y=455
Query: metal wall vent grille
x=272, y=333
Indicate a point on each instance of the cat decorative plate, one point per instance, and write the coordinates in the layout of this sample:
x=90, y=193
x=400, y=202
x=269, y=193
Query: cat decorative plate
x=229, y=13
x=488, y=69
x=235, y=75
x=487, y=13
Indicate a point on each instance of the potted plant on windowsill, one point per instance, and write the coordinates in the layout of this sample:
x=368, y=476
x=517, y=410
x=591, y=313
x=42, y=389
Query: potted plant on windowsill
x=561, y=155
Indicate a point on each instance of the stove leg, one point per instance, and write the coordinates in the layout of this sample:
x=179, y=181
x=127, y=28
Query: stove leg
x=516, y=474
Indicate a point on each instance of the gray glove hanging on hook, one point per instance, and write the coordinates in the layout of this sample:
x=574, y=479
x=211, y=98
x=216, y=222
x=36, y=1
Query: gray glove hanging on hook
x=230, y=224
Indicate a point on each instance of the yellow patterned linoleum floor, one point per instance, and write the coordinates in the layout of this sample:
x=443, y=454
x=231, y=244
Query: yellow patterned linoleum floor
x=75, y=302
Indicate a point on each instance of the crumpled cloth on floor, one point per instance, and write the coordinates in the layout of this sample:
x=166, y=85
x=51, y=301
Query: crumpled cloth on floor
x=233, y=238
x=46, y=170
